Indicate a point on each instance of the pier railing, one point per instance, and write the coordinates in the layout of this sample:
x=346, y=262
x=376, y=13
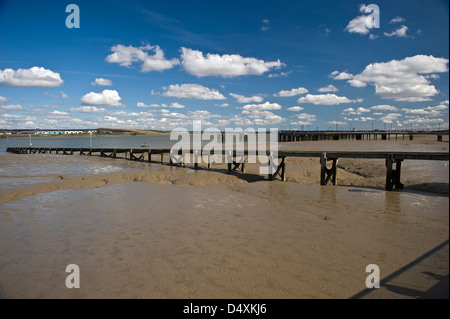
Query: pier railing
x=393, y=160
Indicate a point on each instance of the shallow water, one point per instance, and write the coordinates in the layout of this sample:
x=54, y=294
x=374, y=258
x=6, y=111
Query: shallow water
x=140, y=230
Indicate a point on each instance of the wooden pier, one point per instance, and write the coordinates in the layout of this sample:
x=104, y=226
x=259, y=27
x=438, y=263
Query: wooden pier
x=236, y=160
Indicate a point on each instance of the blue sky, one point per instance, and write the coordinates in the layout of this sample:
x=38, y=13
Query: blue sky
x=284, y=64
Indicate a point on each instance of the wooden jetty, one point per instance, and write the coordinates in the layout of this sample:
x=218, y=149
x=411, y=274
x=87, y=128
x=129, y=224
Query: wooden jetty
x=236, y=160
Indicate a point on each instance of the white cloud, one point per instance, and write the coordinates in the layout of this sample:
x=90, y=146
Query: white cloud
x=361, y=24
x=174, y=105
x=34, y=77
x=244, y=99
x=329, y=88
x=397, y=20
x=403, y=80
x=62, y=95
x=423, y=120
x=3, y=99
x=400, y=32
x=15, y=107
x=193, y=91
x=58, y=114
x=360, y=119
x=106, y=98
x=127, y=55
x=441, y=107
x=266, y=25
x=278, y=75
x=293, y=92
x=390, y=118
x=336, y=123
x=336, y=75
x=358, y=111
x=102, y=82
x=307, y=117
x=384, y=107
x=88, y=109
x=264, y=106
x=357, y=83
x=222, y=105
x=432, y=111
x=416, y=111
x=225, y=65
x=262, y=117
x=295, y=108
x=358, y=25
x=326, y=99
x=304, y=119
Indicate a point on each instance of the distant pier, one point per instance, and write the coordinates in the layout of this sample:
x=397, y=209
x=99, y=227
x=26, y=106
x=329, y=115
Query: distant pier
x=299, y=136
x=393, y=160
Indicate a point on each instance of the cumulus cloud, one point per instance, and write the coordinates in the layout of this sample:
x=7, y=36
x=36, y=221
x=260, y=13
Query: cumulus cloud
x=222, y=105
x=244, y=99
x=397, y=20
x=262, y=117
x=358, y=111
x=329, y=88
x=57, y=114
x=33, y=77
x=403, y=80
x=227, y=65
x=88, y=109
x=3, y=99
x=358, y=25
x=102, y=82
x=106, y=98
x=400, y=32
x=295, y=108
x=361, y=24
x=193, y=91
x=390, y=118
x=265, y=106
x=13, y=107
x=384, y=107
x=336, y=75
x=174, y=105
x=305, y=119
x=293, y=92
x=127, y=55
x=326, y=99
x=278, y=75
x=359, y=119
x=62, y=95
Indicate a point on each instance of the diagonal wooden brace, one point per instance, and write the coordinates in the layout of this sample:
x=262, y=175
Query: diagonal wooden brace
x=281, y=171
x=233, y=167
x=327, y=174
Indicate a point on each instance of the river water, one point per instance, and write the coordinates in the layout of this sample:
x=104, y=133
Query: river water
x=140, y=230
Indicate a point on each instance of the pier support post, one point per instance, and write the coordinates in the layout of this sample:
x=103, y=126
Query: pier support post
x=327, y=174
x=393, y=175
x=281, y=170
